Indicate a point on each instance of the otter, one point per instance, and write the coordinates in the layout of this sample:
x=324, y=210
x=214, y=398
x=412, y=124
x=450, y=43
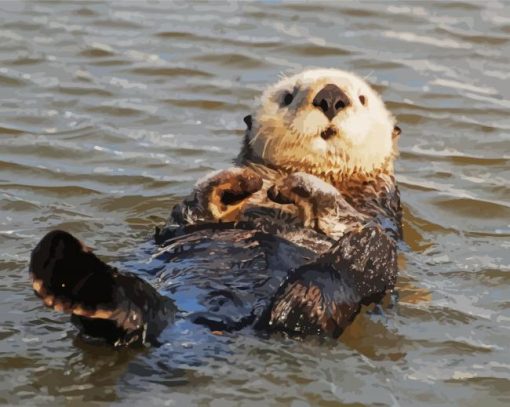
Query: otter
x=295, y=237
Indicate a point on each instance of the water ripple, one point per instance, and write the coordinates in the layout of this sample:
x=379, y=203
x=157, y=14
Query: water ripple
x=111, y=111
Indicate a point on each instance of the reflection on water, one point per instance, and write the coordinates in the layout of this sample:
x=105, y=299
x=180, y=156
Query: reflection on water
x=110, y=112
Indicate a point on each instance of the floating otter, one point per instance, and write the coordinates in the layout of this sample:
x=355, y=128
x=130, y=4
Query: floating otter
x=295, y=237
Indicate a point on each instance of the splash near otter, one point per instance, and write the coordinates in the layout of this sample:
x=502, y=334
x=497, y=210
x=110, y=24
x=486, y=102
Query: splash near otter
x=296, y=237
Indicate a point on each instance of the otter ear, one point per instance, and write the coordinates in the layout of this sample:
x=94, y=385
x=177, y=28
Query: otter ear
x=248, y=121
x=396, y=132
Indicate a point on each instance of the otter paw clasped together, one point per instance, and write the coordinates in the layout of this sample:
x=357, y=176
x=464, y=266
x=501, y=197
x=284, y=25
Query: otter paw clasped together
x=295, y=237
x=321, y=206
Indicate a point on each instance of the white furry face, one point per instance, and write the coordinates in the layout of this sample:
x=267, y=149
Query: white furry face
x=292, y=130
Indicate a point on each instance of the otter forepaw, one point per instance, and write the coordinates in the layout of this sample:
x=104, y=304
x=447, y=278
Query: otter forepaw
x=303, y=186
x=308, y=192
x=218, y=197
x=227, y=192
x=321, y=205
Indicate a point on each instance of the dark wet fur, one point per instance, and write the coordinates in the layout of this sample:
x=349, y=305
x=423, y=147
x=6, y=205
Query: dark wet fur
x=324, y=296
x=239, y=278
x=74, y=276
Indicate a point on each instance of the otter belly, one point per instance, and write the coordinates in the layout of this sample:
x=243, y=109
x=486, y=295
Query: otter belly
x=224, y=278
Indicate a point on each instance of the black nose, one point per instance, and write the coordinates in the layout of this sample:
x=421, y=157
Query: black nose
x=331, y=99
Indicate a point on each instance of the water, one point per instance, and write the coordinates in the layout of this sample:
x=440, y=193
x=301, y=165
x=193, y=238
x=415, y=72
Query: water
x=110, y=111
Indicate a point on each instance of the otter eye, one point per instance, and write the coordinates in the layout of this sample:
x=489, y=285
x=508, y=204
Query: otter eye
x=362, y=100
x=287, y=99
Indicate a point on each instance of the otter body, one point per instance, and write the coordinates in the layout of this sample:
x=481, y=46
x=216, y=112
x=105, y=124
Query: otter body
x=295, y=237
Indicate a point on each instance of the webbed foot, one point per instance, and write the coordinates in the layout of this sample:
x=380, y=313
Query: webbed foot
x=105, y=303
x=323, y=297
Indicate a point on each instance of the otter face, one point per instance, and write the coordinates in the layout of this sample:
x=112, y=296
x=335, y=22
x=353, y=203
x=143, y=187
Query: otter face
x=322, y=121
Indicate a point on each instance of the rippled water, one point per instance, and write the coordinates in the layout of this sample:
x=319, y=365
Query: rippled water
x=110, y=112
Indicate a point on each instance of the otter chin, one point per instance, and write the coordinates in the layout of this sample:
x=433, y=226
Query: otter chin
x=328, y=133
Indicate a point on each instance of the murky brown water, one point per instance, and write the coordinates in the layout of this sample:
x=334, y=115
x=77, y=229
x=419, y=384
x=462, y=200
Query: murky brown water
x=110, y=112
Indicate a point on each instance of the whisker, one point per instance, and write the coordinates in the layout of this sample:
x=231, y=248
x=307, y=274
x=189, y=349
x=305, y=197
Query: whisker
x=264, y=149
x=369, y=75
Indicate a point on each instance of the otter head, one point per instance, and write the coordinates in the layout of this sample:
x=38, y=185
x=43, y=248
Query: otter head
x=325, y=122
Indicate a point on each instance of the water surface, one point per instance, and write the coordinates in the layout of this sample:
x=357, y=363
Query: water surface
x=109, y=112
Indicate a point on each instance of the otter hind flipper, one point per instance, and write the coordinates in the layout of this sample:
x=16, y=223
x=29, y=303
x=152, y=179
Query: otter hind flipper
x=120, y=308
x=323, y=297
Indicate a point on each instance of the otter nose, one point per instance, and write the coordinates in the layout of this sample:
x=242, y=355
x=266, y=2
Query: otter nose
x=331, y=99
